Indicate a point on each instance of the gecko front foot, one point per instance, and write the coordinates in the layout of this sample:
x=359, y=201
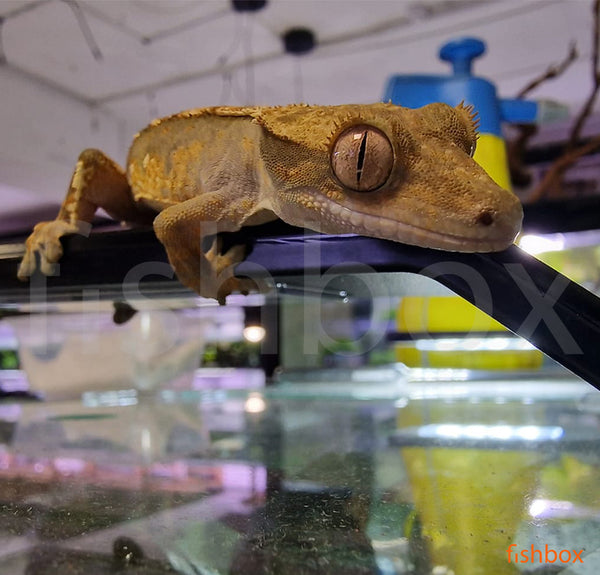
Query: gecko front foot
x=45, y=241
x=210, y=274
x=223, y=264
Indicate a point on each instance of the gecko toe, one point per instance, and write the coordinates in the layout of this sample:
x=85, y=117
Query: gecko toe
x=212, y=254
x=230, y=258
x=27, y=266
x=234, y=284
x=47, y=266
x=44, y=244
x=52, y=250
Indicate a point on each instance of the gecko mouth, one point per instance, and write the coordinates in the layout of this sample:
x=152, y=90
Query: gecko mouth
x=336, y=217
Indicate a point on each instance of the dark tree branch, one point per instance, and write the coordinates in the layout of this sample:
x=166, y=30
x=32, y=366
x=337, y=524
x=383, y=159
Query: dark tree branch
x=586, y=111
x=553, y=71
x=552, y=180
x=551, y=183
x=519, y=174
x=515, y=151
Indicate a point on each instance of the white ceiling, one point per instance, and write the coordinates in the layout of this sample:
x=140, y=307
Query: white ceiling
x=90, y=73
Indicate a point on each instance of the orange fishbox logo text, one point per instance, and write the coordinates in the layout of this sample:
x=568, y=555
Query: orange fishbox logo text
x=545, y=555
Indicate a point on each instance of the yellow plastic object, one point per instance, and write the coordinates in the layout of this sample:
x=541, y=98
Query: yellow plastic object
x=570, y=478
x=470, y=501
x=442, y=314
x=461, y=359
x=490, y=154
x=453, y=315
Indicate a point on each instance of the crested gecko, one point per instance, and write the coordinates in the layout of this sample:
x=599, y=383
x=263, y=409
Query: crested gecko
x=378, y=170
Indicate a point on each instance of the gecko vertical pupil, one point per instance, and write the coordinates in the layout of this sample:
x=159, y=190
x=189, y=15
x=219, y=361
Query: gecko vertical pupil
x=362, y=158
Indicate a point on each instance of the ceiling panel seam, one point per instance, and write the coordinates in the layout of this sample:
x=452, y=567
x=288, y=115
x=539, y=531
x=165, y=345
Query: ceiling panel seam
x=180, y=79
x=159, y=35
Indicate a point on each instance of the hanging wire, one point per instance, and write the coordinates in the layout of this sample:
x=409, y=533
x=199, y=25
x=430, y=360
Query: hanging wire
x=344, y=45
x=188, y=25
x=225, y=88
x=248, y=59
x=152, y=106
x=85, y=29
x=2, y=52
x=239, y=93
x=94, y=119
x=227, y=75
x=298, y=80
x=22, y=9
x=341, y=45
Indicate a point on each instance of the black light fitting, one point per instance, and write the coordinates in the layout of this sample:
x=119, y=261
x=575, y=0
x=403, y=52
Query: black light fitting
x=248, y=5
x=298, y=40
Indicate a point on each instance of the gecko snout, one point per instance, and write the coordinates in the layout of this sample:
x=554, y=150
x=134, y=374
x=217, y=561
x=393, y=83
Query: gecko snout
x=498, y=220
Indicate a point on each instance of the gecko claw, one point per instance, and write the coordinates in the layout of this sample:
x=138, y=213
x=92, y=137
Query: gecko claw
x=221, y=261
x=43, y=248
x=233, y=285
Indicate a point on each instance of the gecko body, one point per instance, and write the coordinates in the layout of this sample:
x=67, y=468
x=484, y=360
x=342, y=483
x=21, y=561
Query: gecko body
x=378, y=170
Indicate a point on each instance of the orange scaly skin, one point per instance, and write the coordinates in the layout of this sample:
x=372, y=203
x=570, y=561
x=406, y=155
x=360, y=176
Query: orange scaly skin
x=378, y=170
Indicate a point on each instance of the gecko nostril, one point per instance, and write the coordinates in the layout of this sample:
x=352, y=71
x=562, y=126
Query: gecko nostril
x=485, y=217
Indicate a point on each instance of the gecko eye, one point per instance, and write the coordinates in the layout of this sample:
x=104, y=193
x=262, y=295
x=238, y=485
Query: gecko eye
x=473, y=148
x=362, y=158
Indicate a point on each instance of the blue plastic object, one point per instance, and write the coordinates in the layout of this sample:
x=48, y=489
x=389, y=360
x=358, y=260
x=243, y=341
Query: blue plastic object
x=414, y=91
x=461, y=53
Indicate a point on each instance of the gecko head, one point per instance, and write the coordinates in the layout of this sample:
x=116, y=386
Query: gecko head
x=409, y=176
